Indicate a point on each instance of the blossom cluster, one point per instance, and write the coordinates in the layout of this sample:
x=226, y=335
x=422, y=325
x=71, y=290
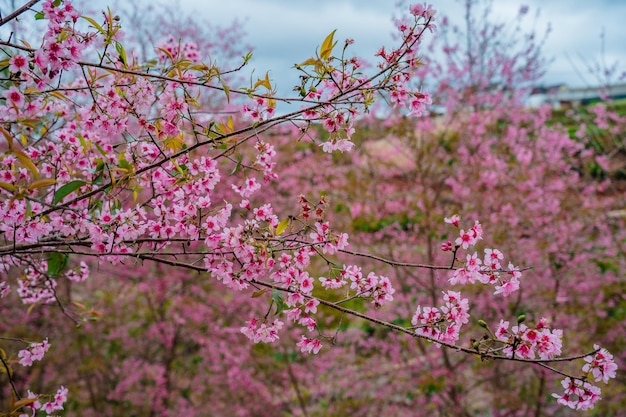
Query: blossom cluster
x=444, y=323
x=260, y=109
x=528, y=343
x=486, y=270
x=378, y=288
x=80, y=274
x=579, y=394
x=5, y=289
x=36, y=286
x=262, y=332
x=63, y=45
x=307, y=345
x=48, y=407
x=34, y=352
x=401, y=94
x=601, y=365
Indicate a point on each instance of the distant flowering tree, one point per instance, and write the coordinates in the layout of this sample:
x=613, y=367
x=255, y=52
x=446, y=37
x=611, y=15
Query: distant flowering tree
x=110, y=162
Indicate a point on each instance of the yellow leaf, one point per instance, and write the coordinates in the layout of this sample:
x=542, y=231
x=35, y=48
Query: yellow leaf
x=7, y=186
x=259, y=293
x=8, y=136
x=31, y=308
x=166, y=52
x=231, y=127
x=310, y=61
x=328, y=45
x=41, y=183
x=174, y=143
x=27, y=162
x=282, y=226
x=59, y=95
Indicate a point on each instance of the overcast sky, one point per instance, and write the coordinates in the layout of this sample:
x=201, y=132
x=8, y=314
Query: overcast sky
x=285, y=32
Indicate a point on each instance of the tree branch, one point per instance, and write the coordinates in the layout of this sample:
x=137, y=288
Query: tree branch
x=18, y=12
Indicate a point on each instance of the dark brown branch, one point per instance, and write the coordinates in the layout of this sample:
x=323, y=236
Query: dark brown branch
x=483, y=355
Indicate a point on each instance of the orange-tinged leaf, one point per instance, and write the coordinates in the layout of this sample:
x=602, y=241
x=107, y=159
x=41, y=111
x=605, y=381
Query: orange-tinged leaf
x=79, y=305
x=328, y=45
x=166, y=52
x=23, y=402
x=264, y=82
x=95, y=313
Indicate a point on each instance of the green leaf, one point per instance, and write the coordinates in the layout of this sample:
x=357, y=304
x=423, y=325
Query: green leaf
x=39, y=16
x=67, y=189
x=226, y=91
x=57, y=262
x=124, y=164
x=120, y=50
x=238, y=166
x=279, y=299
x=93, y=23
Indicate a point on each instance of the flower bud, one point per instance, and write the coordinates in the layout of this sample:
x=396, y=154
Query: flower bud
x=482, y=324
x=521, y=318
